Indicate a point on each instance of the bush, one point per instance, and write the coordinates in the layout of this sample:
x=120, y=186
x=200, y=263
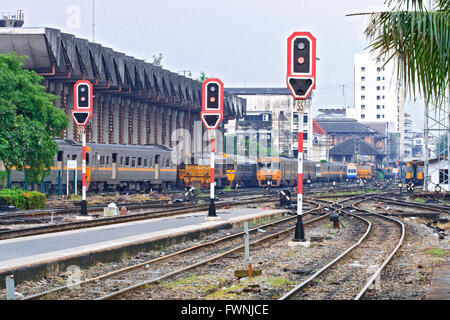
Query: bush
x=22, y=199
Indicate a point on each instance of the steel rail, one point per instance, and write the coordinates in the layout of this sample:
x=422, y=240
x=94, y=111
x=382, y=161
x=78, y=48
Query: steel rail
x=330, y=264
x=387, y=260
x=200, y=263
x=241, y=247
x=376, y=273
x=143, y=264
x=10, y=234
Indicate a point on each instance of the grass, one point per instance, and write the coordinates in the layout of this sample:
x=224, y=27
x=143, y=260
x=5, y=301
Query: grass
x=421, y=200
x=437, y=253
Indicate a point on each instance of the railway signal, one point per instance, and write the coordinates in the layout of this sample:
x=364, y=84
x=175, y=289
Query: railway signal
x=83, y=102
x=300, y=80
x=212, y=116
x=301, y=64
x=212, y=103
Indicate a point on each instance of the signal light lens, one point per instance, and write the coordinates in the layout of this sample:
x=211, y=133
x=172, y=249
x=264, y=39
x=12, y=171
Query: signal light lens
x=301, y=46
x=212, y=99
x=83, y=99
x=301, y=60
x=212, y=88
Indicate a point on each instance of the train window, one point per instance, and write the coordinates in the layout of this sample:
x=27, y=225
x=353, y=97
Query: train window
x=230, y=166
x=145, y=162
x=133, y=162
x=127, y=161
x=102, y=160
x=168, y=163
x=87, y=157
x=139, y=161
x=269, y=164
x=150, y=163
x=107, y=159
x=60, y=156
x=74, y=157
x=260, y=165
x=114, y=158
x=157, y=159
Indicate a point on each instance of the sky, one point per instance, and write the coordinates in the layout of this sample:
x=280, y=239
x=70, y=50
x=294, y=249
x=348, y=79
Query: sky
x=242, y=42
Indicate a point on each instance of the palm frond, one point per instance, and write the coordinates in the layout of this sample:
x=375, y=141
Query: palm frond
x=419, y=41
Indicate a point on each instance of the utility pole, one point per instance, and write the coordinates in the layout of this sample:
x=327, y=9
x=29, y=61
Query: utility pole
x=93, y=21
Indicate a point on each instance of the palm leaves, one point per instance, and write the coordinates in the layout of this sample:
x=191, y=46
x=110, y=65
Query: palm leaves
x=419, y=41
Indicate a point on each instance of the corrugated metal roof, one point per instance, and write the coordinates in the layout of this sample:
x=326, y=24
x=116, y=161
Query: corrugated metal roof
x=344, y=125
x=348, y=148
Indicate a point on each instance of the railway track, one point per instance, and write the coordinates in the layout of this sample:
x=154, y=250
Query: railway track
x=341, y=280
x=66, y=226
x=136, y=276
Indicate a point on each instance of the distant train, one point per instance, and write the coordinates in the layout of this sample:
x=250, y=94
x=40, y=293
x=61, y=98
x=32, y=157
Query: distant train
x=141, y=168
x=414, y=172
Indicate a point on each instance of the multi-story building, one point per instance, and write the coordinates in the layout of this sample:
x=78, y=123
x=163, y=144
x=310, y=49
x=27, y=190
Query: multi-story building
x=408, y=142
x=271, y=115
x=379, y=96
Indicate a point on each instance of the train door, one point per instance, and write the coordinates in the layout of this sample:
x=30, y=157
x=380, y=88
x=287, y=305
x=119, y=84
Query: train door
x=157, y=166
x=114, y=166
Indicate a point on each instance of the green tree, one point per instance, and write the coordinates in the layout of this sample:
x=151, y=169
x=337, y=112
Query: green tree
x=419, y=40
x=157, y=60
x=29, y=120
x=202, y=77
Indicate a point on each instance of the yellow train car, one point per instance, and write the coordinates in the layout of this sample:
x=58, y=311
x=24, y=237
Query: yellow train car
x=364, y=171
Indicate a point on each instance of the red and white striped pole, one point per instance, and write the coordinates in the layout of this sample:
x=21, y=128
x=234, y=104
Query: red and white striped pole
x=299, y=230
x=84, y=211
x=212, y=206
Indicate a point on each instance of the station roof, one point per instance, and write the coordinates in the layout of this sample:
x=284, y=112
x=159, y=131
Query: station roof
x=66, y=58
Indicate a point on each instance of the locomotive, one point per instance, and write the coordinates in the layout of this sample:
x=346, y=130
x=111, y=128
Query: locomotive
x=111, y=167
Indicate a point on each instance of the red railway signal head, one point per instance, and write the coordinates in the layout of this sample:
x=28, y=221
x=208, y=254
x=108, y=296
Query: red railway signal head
x=212, y=103
x=301, y=55
x=83, y=101
x=301, y=64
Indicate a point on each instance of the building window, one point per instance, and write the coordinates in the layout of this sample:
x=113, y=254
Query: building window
x=363, y=106
x=363, y=78
x=363, y=97
x=363, y=69
x=383, y=97
x=378, y=69
x=383, y=106
x=378, y=116
x=305, y=135
x=378, y=78
x=265, y=117
x=305, y=118
x=378, y=97
x=363, y=116
x=383, y=116
x=378, y=88
x=383, y=78
x=443, y=176
x=363, y=88
x=378, y=106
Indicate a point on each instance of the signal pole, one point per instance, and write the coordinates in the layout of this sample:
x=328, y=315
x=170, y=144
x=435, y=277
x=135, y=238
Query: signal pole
x=212, y=206
x=84, y=211
x=300, y=80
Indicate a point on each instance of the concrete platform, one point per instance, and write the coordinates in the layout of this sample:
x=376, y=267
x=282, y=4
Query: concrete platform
x=440, y=284
x=33, y=257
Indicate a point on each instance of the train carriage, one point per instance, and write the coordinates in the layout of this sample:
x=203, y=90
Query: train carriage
x=109, y=167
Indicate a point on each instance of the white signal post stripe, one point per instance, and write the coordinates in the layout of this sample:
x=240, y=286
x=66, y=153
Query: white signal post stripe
x=211, y=193
x=83, y=164
x=300, y=174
